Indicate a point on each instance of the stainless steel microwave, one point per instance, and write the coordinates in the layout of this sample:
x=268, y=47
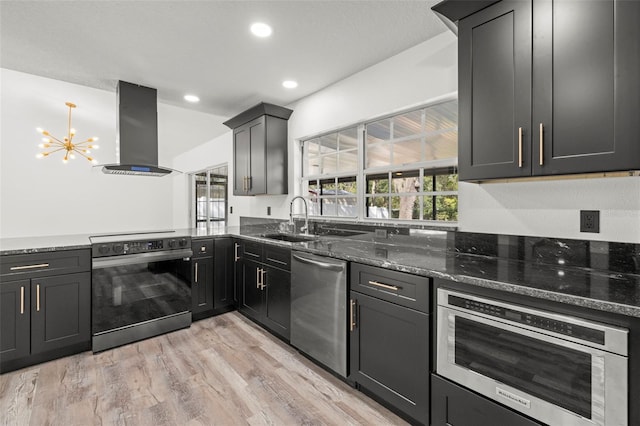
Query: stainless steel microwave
x=554, y=368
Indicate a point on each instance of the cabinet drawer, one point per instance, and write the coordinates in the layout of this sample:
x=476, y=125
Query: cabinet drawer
x=49, y=263
x=278, y=257
x=401, y=288
x=252, y=250
x=202, y=248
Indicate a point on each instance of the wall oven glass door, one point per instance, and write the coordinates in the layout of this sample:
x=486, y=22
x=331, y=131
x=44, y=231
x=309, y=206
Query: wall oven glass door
x=557, y=369
x=139, y=288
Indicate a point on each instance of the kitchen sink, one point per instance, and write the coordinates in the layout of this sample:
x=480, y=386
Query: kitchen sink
x=292, y=238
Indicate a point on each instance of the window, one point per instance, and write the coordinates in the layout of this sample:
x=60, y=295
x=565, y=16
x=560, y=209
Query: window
x=210, y=196
x=330, y=168
x=407, y=172
x=413, y=195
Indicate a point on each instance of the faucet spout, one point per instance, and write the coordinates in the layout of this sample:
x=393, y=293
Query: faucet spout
x=304, y=229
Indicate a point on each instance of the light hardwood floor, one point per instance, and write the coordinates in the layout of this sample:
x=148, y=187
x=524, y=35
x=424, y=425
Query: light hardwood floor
x=223, y=370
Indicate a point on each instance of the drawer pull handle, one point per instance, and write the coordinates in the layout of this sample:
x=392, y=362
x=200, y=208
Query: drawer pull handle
x=39, y=265
x=352, y=320
x=386, y=286
x=22, y=300
x=38, y=297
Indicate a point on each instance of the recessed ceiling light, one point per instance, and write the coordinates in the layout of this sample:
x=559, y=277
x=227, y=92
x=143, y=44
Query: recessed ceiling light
x=261, y=29
x=290, y=84
x=191, y=98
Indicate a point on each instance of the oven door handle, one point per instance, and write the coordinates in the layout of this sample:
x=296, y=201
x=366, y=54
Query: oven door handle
x=108, y=262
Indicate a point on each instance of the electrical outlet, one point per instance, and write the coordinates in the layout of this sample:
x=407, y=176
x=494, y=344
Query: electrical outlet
x=381, y=233
x=268, y=211
x=230, y=209
x=590, y=221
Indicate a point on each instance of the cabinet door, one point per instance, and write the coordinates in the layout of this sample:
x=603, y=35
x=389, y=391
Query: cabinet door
x=251, y=294
x=15, y=328
x=257, y=157
x=202, y=285
x=585, y=68
x=278, y=301
x=241, y=144
x=453, y=405
x=390, y=353
x=223, y=273
x=60, y=311
x=494, y=84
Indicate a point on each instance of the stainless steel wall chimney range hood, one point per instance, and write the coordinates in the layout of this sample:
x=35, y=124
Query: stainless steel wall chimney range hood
x=137, y=124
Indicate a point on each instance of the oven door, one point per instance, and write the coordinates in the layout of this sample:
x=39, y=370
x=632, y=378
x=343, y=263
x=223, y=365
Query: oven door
x=556, y=380
x=140, y=288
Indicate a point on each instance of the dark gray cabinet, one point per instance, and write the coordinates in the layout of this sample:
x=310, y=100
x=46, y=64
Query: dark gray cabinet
x=223, y=274
x=202, y=282
x=15, y=320
x=453, y=405
x=45, y=302
x=260, y=150
x=389, y=342
x=264, y=285
x=549, y=87
x=212, y=277
x=60, y=311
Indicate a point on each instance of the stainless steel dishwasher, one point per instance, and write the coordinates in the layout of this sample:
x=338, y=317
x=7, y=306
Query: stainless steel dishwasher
x=319, y=309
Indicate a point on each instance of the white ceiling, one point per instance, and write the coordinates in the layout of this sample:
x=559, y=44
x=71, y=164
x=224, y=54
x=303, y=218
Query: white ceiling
x=205, y=47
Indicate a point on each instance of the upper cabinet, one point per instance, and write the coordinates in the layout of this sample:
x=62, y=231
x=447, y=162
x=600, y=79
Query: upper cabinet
x=260, y=150
x=548, y=87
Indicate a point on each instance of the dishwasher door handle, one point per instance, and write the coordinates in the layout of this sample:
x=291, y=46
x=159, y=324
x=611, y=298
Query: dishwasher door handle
x=324, y=265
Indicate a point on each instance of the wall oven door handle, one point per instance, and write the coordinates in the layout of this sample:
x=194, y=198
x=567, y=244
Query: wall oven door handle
x=108, y=262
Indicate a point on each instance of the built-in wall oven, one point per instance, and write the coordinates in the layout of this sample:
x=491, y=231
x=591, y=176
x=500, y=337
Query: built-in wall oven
x=557, y=369
x=141, y=287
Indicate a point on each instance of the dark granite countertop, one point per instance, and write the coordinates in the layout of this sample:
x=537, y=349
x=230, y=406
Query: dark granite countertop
x=597, y=275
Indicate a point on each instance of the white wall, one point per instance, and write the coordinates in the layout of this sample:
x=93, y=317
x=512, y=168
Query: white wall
x=419, y=74
x=422, y=73
x=46, y=197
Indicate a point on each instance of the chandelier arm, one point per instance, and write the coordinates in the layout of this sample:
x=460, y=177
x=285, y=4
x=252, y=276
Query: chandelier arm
x=88, y=158
x=55, y=150
x=56, y=139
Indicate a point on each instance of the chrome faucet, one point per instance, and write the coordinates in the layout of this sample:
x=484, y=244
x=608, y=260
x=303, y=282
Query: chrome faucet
x=305, y=228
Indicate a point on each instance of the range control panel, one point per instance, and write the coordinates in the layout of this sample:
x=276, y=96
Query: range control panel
x=123, y=248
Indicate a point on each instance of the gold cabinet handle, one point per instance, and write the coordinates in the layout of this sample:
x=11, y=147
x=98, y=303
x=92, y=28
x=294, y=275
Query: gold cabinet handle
x=236, y=257
x=262, y=274
x=38, y=297
x=39, y=265
x=248, y=183
x=386, y=286
x=541, y=144
x=196, y=272
x=520, y=131
x=22, y=300
x=352, y=320
x=257, y=277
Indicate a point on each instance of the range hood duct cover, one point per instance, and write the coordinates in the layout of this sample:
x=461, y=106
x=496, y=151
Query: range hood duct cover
x=137, y=124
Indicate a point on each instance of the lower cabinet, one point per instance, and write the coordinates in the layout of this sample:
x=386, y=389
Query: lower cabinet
x=453, y=405
x=389, y=343
x=44, y=317
x=264, y=286
x=212, y=277
x=15, y=320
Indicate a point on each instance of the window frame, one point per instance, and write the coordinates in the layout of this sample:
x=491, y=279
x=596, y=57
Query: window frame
x=425, y=168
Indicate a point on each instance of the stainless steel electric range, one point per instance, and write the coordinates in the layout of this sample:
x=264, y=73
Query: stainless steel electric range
x=141, y=286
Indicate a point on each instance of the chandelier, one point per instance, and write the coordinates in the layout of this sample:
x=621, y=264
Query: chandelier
x=67, y=145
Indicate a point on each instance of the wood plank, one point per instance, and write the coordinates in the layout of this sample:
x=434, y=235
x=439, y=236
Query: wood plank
x=222, y=370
